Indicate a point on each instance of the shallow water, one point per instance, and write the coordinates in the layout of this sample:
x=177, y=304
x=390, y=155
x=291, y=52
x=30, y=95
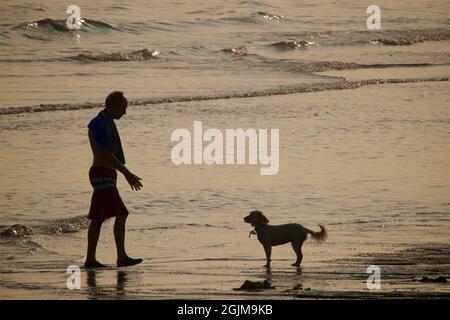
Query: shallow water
x=364, y=140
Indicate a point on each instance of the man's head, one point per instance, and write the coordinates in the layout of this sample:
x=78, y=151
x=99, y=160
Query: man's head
x=116, y=104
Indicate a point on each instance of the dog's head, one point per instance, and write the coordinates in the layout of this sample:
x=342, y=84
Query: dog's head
x=256, y=218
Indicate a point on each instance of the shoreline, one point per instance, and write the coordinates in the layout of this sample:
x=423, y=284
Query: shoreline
x=334, y=280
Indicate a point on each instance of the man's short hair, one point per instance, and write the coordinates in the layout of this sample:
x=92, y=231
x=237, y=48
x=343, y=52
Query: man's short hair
x=115, y=98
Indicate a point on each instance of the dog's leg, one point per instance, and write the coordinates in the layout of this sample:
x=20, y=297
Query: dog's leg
x=298, y=251
x=268, y=251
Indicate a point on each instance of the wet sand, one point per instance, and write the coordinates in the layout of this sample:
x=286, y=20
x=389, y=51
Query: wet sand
x=402, y=272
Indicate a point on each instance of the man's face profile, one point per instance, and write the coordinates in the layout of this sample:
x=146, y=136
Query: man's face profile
x=118, y=110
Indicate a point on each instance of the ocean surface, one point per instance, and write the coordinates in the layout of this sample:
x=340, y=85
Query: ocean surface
x=189, y=46
x=364, y=122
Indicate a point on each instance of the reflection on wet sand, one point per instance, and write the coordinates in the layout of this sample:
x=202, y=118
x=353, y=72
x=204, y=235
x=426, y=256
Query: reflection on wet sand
x=94, y=290
x=270, y=281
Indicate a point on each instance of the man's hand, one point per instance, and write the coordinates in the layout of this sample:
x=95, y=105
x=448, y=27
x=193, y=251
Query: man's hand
x=134, y=181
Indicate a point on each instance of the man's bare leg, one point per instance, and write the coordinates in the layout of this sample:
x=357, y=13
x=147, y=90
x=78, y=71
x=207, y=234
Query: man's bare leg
x=119, y=235
x=123, y=259
x=93, y=235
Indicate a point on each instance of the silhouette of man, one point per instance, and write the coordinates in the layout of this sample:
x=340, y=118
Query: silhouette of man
x=108, y=158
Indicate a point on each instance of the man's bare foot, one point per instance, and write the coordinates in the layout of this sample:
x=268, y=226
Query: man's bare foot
x=128, y=262
x=94, y=264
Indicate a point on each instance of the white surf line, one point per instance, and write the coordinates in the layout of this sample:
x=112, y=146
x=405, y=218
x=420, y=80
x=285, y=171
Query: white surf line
x=304, y=88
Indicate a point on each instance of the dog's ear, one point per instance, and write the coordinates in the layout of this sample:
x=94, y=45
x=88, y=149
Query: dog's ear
x=263, y=218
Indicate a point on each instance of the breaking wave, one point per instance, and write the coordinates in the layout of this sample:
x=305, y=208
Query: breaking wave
x=48, y=24
x=62, y=226
x=138, y=55
x=19, y=238
x=292, y=45
x=407, y=38
x=342, y=84
x=239, y=51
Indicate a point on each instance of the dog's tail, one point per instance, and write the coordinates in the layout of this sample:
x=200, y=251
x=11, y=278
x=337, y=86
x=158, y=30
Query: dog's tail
x=320, y=236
